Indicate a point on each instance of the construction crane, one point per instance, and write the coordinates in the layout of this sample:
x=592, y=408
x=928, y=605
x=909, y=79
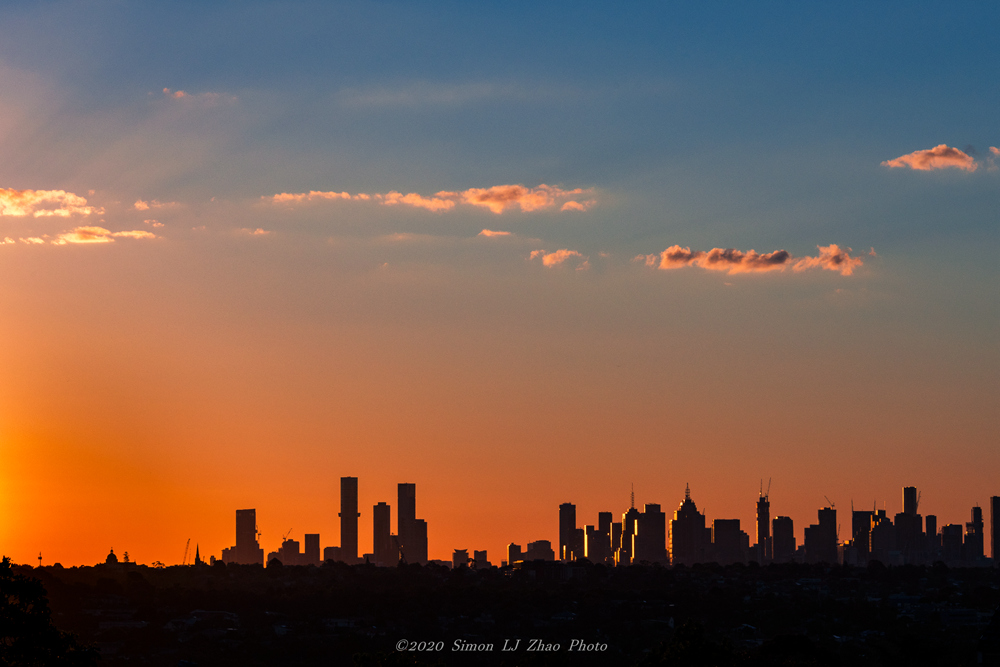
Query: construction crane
x=285, y=536
x=187, y=547
x=832, y=504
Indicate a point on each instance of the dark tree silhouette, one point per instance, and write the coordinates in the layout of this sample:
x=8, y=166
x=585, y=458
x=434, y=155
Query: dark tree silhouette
x=27, y=636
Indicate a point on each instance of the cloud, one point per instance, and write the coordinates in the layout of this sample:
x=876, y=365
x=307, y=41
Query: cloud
x=939, y=157
x=561, y=256
x=991, y=159
x=43, y=203
x=254, y=232
x=141, y=205
x=578, y=206
x=413, y=199
x=489, y=233
x=498, y=198
x=730, y=260
x=208, y=98
x=831, y=258
x=97, y=235
x=135, y=234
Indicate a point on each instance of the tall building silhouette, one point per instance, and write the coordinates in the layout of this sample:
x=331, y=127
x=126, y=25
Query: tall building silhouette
x=419, y=541
x=909, y=528
x=406, y=519
x=349, y=519
x=882, y=540
x=764, y=546
x=910, y=500
x=783, y=539
x=311, y=555
x=382, y=535
x=861, y=526
x=247, y=551
x=649, y=542
x=726, y=547
x=951, y=543
x=567, y=531
x=821, y=538
x=688, y=535
x=974, y=536
x=994, y=528
x=932, y=536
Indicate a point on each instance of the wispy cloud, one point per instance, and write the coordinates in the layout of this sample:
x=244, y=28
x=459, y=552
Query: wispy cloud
x=498, y=198
x=141, y=205
x=489, y=233
x=730, y=260
x=939, y=157
x=413, y=199
x=208, y=98
x=560, y=257
x=427, y=94
x=254, y=232
x=42, y=203
x=992, y=158
x=98, y=235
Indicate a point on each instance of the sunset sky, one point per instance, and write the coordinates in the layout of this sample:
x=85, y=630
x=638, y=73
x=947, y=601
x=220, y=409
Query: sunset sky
x=518, y=255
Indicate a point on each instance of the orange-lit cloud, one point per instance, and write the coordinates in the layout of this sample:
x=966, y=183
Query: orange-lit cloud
x=289, y=197
x=489, y=233
x=153, y=223
x=498, y=198
x=413, y=199
x=831, y=258
x=141, y=205
x=210, y=98
x=561, y=256
x=98, y=235
x=992, y=158
x=939, y=157
x=730, y=260
x=255, y=232
x=42, y=203
x=572, y=205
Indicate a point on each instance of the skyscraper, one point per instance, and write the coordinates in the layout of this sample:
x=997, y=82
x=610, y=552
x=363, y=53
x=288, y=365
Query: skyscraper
x=764, y=552
x=311, y=556
x=419, y=542
x=974, y=536
x=994, y=528
x=406, y=518
x=821, y=538
x=567, y=531
x=909, y=500
x=247, y=551
x=650, y=538
x=382, y=535
x=688, y=538
x=909, y=528
x=349, y=519
x=784, y=539
x=726, y=541
x=861, y=526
